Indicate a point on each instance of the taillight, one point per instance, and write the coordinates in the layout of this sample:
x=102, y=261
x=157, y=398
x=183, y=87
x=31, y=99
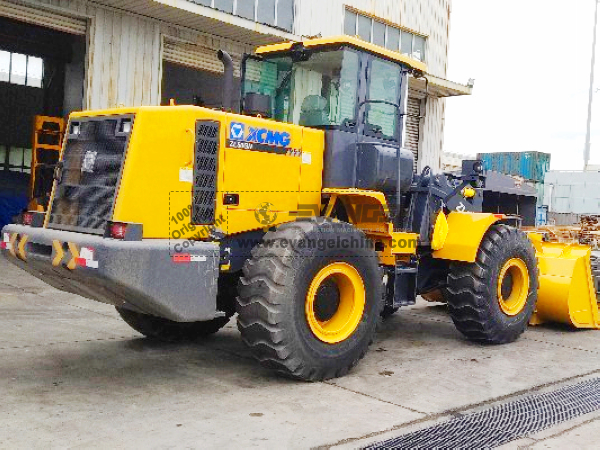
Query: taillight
x=27, y=218
x=5, y=244
x=117, y=230
x=125, y=231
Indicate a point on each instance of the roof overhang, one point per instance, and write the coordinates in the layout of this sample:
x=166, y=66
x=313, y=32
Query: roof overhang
x=432, y=86
x=204, y=19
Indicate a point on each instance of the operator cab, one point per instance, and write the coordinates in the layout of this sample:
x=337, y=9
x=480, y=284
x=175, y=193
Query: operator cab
x=353, y=90
x=340, y=83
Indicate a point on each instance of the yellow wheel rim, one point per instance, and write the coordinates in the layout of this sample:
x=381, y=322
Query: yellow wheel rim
x=513, y=287
x=335, y=302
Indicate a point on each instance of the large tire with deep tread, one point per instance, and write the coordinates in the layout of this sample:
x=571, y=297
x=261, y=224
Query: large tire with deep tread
x=472, y=291
x=273, y=291
x=170, y=331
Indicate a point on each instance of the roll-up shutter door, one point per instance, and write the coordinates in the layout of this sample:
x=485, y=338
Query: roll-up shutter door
x=413, y=125
x=46, y=18
x=197, y=57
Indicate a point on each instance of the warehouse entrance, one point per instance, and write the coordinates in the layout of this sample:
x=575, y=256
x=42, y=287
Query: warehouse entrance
x=42, y=73
x=412, y=135
x=193, y=75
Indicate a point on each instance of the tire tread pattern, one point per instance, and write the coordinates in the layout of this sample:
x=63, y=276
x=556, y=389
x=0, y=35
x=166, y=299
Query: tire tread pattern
x=261, y=305
x=471, y=299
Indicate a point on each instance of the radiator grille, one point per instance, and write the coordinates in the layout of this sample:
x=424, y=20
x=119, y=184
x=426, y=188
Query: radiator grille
x=205, y=172
x=92, y=162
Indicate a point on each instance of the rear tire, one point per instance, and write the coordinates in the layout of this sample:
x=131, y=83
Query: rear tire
x=167, y=330
x=285, y=312
x=491, y=300
x=170, y=331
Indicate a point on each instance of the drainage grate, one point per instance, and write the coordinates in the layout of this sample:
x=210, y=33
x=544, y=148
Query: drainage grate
x=504, y=423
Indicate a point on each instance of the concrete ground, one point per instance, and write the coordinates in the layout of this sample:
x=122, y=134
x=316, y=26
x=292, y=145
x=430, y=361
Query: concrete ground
x=72, y=374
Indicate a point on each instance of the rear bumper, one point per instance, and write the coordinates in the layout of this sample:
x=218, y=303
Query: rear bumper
x=147, y=276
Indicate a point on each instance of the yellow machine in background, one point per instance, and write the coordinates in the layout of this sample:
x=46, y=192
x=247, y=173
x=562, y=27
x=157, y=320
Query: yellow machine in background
x=48, y=133
x=302, y=214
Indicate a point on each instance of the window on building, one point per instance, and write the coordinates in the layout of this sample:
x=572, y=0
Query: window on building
x=393, y=38
x=246, y=9
x=406, y=43
x=223, y=5
x=285, y=14
x=379, y=33
x=418, y=50
x=363, y=28
x=384, y=34
x=350, y=23
x=266, y=12
x=15, y=159
x=17, y=68
x=277, y=13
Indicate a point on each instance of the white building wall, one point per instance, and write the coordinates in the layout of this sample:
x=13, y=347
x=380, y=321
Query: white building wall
x=453, y=161
x=124, y=61
x=432, y=135
x=574, y=192
x=125, y=50
x=428, y=17
x=123, y=55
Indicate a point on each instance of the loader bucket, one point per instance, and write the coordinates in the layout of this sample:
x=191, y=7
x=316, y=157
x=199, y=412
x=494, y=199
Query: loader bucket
x=566, y=291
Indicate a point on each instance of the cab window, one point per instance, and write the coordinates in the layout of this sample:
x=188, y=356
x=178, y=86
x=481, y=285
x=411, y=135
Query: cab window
x=318, y=92
x=383, y=85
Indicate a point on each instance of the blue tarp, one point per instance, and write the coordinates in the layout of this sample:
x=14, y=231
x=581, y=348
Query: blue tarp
x=10, y=206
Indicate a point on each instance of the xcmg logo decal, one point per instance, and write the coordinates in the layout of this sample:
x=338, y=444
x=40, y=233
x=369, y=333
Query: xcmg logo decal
x=236, y=131
x=255, y=138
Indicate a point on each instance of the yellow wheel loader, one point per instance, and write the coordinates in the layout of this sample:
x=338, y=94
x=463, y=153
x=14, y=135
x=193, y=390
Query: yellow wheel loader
x=302, y=213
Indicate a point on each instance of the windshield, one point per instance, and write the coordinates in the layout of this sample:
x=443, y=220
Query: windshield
x=319, y=92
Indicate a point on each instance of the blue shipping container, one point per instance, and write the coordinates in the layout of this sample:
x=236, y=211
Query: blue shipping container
x=529, y=165
x=526, y=166
x=486, y=158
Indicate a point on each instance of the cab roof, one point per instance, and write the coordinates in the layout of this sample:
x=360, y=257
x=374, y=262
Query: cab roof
x=351, y=41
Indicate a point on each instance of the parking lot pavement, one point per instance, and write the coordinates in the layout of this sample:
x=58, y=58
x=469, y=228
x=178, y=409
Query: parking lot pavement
x=74, y=374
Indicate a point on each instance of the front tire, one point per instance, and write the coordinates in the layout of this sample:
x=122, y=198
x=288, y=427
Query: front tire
x=308, y=310
x=492, y=300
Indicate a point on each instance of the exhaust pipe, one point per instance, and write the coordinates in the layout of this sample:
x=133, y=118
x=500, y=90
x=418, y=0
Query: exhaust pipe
x=225, y=58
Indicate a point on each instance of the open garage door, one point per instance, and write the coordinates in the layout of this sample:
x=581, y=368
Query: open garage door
x=413, y=127
x=42, y=73
x=56, y=21
x=193, y=75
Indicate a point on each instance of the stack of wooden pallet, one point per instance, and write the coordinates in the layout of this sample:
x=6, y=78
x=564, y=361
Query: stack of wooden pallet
x=587, y=232
x=590, y=231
